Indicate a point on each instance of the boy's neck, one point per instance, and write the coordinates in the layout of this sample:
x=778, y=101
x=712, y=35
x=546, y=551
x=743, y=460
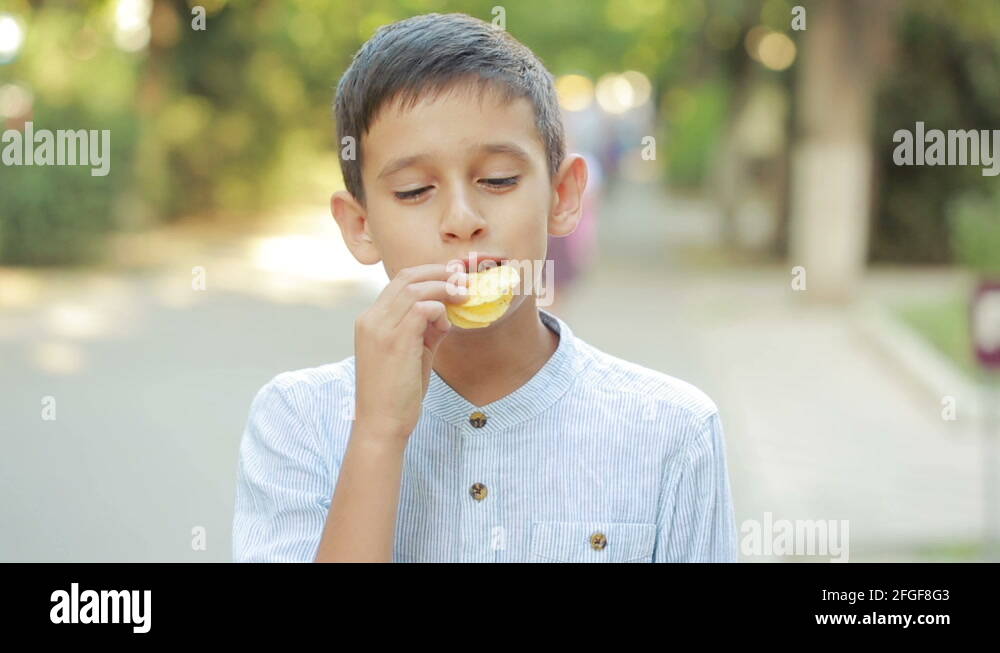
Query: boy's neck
x=486, y=365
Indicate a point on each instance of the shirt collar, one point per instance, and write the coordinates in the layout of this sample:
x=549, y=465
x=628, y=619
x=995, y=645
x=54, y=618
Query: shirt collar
x=541, y=391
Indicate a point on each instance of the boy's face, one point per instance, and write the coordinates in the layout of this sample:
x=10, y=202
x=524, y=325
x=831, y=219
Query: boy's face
x=459, y=173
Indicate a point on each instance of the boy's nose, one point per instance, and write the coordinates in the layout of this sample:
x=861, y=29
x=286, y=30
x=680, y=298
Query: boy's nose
x=461, y=220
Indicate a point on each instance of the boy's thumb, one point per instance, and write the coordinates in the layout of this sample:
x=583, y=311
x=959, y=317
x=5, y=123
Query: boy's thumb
x=435, y=333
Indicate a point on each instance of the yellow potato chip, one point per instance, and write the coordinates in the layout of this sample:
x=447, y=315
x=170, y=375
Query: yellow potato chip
x=484, y=312
x=491, y=284
x=490, y=294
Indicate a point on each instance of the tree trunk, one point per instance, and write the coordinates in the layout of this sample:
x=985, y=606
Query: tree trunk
x=832, y=156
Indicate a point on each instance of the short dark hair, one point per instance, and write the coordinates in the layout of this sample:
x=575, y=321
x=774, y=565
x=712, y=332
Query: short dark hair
x=428, y=54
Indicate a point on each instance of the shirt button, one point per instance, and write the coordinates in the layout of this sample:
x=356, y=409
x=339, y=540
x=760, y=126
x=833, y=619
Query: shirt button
x=598, y=541
x=478, y=491
x=477, y=419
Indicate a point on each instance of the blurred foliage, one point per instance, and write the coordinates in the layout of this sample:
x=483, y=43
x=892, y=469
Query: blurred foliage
x=691, y=129
x=947, y=75
x=945, y=325
x=57, y=217
x=974, y=222
x=54, y=214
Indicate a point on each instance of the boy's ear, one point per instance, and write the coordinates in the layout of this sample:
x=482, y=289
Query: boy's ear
x=352, y=219
x=567, y=195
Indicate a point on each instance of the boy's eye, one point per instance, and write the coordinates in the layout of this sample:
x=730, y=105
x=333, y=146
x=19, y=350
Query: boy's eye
x=492, y=182
x=411, y=194
x=500, y=182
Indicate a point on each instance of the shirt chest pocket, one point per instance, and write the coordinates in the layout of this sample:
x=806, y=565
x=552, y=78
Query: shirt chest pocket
x=592, y=541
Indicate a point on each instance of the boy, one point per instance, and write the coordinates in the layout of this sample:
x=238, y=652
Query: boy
x=514, y=442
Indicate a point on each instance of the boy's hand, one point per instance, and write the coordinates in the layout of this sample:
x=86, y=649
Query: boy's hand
x=394, y=345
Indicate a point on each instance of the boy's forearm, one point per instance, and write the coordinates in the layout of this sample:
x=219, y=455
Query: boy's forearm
x=361, y=523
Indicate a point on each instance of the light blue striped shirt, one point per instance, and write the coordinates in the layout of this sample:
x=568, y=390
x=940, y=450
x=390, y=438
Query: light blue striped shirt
x=594, y=459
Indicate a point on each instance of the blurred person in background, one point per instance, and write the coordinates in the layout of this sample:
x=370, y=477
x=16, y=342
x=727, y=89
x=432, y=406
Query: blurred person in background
x=574, y=254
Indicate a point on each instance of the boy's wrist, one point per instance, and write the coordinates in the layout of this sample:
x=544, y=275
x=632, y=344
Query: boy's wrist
x=379, y=436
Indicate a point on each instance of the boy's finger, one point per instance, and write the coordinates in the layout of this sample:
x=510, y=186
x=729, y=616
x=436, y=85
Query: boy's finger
x=440, y=291
x=438, y=329
x=416, y=274
x=421, y=315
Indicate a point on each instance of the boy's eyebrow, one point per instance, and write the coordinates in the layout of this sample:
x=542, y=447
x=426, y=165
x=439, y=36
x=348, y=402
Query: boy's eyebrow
x=398, y=164
x=512, y=149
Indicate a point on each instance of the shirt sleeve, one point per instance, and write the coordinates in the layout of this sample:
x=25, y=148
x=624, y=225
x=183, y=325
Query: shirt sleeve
x=700, y=519
x=283, y=484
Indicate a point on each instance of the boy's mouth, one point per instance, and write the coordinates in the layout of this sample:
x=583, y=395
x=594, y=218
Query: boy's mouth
x=480, y=263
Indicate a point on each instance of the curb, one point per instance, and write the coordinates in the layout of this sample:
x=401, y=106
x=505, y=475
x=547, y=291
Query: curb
x=934, y=372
